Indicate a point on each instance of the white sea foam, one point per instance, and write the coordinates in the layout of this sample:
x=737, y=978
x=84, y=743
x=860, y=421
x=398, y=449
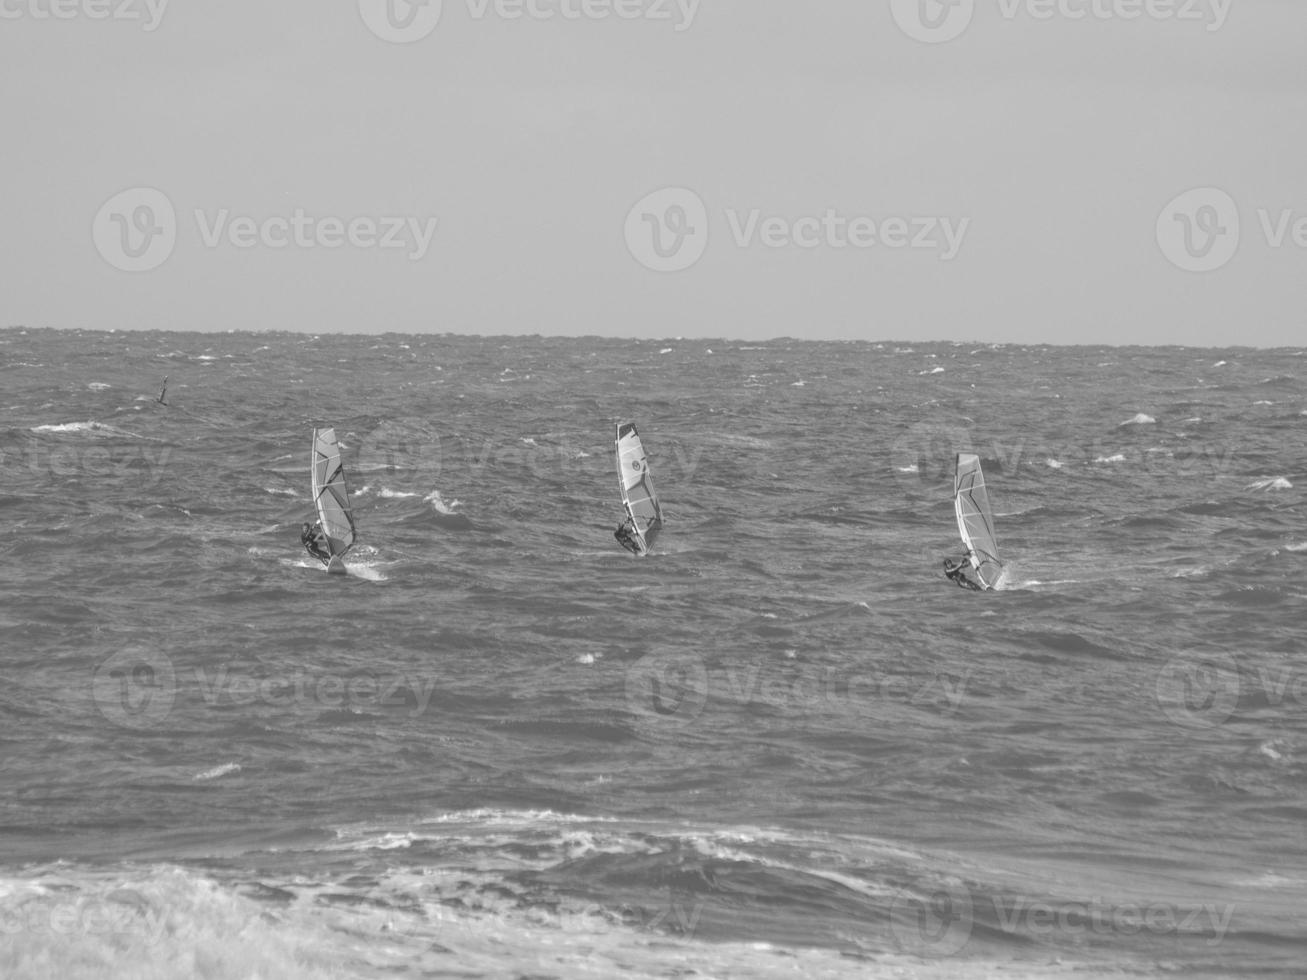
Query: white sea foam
x=1270, y=483
x=439, y=505
x=217, y=772
x=1118, y=458
x=1140, y=419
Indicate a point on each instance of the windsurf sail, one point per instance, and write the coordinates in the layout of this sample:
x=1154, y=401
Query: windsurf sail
x=330, y=495
x=646, y=517
x=976, y=519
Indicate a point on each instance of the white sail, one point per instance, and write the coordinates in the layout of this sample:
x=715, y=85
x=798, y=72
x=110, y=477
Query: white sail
x=976, y=519
x=638, y=494
x=330, y=495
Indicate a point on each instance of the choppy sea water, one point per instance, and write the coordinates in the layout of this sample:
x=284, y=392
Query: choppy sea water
x=783, y=745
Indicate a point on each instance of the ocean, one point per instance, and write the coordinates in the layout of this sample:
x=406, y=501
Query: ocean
x=782, y=745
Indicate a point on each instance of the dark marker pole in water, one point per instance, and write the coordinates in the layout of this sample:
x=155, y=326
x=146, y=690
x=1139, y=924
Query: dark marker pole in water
x=163, y=391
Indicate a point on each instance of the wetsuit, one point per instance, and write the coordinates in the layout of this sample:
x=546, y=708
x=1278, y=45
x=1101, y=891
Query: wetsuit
x=314, y=538
x=626, y=537
x=958, y=572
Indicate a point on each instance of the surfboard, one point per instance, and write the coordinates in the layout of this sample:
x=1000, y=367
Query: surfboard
x=638, y=496
x=331, y=498
x=976, y=519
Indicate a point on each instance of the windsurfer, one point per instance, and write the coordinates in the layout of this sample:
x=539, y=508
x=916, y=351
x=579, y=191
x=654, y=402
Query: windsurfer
x=316, y=542
x=958, y=572
x=626, y=536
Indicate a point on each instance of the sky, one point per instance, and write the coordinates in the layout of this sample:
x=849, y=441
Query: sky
x=1009, y=171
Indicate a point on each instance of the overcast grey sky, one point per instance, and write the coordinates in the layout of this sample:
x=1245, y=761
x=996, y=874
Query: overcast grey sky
x=1063, y=171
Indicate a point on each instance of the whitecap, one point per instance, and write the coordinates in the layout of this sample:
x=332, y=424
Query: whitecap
x=1140, y=419
x=1118, y=458
x=1054, y=463
x=437, y=503
x=216, y=772
x=98, y=386
x=1270, y=483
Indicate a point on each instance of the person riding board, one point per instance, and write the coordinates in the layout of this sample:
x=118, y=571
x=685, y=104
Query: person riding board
x=626, y=536
x=961, y=572
x=316, y=542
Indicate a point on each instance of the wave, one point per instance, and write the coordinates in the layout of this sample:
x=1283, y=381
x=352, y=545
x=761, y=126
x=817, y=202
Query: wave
x=1270, y=483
